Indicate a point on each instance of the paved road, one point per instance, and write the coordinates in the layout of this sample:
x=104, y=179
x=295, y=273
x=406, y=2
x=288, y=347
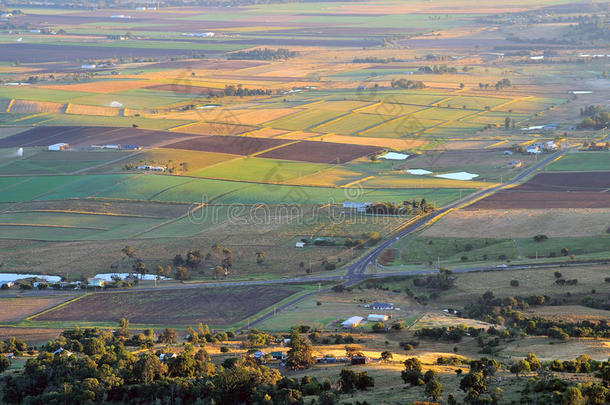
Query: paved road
x=356, y=272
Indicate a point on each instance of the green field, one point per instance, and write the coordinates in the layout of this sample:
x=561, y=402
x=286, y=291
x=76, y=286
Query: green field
x=64, y=226
x=462, y=251
x=582, y=161
x=303, y=120
x=260, y=170
x=139, y=98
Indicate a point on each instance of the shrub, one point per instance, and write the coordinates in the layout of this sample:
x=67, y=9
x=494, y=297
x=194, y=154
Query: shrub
x=224, y=349
x=540, y=238
x=514, y=283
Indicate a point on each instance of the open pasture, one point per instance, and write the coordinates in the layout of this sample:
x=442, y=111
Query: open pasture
x=260, y=170
x=59, y=163
x=58, y=226
x=213, y=306
x=521, y=223
x=582, y=161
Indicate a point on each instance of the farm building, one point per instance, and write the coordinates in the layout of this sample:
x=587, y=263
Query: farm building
x=515, y=164
x=352, y=322
x=62, y=350
x=258, y=355
x=151, y=168
x=131, y=147
x=299, y=244
x=377, y=318
x=382, y=305
x=278, y=355
x=59, y=146
x=96, y=282
x=358, y=206
x=358, y=360
x=166, y=356
x=533, y=150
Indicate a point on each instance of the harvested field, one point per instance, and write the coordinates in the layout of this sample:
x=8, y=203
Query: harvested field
x=320, y=152
x=216, y=128
x=521, y=223
x=31, y=107
x=569, y=313
x=15, y=309
x=32, y=336
x=235, y=145
x=553, y=190
x=92, y=110
x=398, y=144
x=214, y=306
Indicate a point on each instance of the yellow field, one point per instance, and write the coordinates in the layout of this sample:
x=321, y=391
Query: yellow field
x=213, y=128
x=335, y=176
x=92, y=110
x=266, y=133
x=391, y=143
x=30, y=107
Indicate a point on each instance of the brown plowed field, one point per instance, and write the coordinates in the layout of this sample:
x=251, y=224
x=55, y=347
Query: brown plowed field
x=320, y=152
x=553, y=190
x=215, y=306
x=87, y=136
x=236, y=145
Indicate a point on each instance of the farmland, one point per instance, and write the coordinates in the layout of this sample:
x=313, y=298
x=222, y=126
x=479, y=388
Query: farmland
x=216, y=306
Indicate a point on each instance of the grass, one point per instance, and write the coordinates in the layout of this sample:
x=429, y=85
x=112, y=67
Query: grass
x=452, y=251
x=59, y=226
x=259, y=169
x=138, y=98
x=582, y=161
x=27, y=188
x=94, y=120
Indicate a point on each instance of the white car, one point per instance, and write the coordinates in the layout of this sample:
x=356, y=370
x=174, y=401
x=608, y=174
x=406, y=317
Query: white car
x=501, y=266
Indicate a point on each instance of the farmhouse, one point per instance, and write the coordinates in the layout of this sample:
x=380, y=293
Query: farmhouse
x=59, y=146
x=299, y=244
x=388, y=306
x=258, y=355
x=515, y=164
x=358, y=360
x=278, y=355
x=377, y=318
x=7, y=284
x=166, y=356
x=352, y=322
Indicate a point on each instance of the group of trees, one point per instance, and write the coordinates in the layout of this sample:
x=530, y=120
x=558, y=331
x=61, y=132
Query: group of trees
x=596, y=117
x=439, y=69
x=413, y=207
x=264, y=54
x=507, y=312
x=407, y=84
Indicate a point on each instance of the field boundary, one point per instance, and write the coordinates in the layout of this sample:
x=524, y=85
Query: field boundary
x=63, y=304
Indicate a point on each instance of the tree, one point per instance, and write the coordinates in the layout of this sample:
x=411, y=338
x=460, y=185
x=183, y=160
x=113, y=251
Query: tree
x=533, y=361
x=474, y=384
x=386, y=356
x=379, y=327
x=123, y=328
x=181, y=273
x=572, y=396
x=148, y=368
x=300, y=354
x=412, y=373
x=139, y=267
x=434, y=389
x=168, y=336
x=260, y=257
x=4, y=363
x=596, y=393
x=128, y=251
x=347, y=380
x=520, y=367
